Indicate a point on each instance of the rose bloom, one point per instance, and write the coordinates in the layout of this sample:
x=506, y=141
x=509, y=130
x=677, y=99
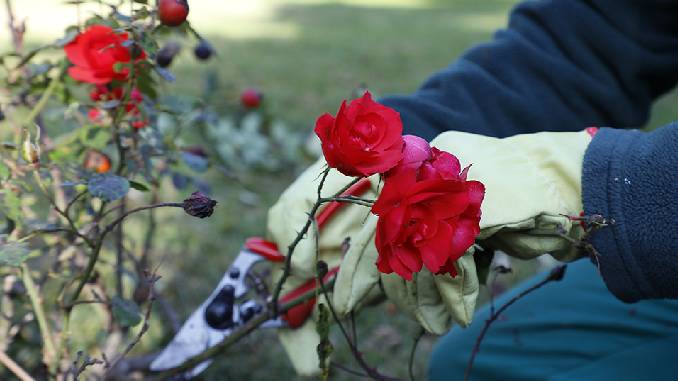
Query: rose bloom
x=94, y=54
x=429, y=214
x=363, y=139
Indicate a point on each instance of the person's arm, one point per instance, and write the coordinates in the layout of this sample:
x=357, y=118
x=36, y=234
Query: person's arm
x=561, y=65
x=632, y=177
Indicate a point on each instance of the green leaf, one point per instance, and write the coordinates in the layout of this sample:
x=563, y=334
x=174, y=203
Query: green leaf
x=108, y=187
x=13, y=254
x=95, y=137
x=125, y=312
x=11, y=205
x=68, y=37
x=4, y=171
x=139, y=186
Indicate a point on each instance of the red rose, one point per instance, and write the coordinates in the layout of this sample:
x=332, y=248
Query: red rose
x=429, y=214
x=94, y=54
x=363, y=139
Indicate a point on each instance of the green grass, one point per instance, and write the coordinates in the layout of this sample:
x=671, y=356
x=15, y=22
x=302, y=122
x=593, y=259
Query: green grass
x=306, y=56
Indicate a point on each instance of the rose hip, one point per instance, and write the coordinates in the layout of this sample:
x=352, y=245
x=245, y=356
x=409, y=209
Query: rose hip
x=172, y=12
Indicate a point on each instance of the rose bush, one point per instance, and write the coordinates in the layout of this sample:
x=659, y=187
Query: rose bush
x=364, y=138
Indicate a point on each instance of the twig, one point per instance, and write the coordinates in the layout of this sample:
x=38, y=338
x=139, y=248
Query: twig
x=97, y=249
x=14, y=367
x=71, y=223
x=113, y=224
x=16, y=30
x=556, y=274
x=290, y=249
x=49, y=348
x=42, y=102
x=371, y=372
x=73, y=201
x=350, y=199
x=151, y=279
x=347, y=369
x=119, y=254
x=311, y=216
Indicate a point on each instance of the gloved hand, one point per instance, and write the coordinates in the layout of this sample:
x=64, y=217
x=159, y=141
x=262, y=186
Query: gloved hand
x=532, y=184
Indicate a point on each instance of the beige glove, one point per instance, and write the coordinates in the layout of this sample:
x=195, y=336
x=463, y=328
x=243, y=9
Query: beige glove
x=532, y=184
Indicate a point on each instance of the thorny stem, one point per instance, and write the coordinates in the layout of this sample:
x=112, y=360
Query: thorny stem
x=555, y=275
x=42, y=102
x=290, y=249
x=372, y=372
x=350, y=199
x=151, y=279
x=348, y=370
x=71, y=223
x=119, y=255
x=97, y=248
x=16, y=30
x=73, y=201
x=311, y=217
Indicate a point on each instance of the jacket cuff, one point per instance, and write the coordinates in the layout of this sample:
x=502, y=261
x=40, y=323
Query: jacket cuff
x=604, y=183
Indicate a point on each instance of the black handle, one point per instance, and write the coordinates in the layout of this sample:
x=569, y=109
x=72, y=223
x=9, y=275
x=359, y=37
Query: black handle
x=219, y=313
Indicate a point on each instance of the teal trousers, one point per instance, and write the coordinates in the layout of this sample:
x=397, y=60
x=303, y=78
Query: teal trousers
x=569, y=330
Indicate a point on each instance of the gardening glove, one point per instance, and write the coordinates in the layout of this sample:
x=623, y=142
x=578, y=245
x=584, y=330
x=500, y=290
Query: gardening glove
x=430, y=299
x=533, y=185
x=285, y=219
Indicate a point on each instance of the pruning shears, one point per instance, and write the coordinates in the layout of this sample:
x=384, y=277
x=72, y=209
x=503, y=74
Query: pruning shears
x=238, y=298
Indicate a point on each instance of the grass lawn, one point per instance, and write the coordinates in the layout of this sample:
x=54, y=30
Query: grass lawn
x=306, y=56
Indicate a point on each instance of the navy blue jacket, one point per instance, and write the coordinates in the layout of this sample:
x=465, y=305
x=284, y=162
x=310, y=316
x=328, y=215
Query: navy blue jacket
x=563, y=65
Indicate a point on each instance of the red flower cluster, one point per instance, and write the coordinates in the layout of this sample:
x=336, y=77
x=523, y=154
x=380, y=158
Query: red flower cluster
x=95, y=54
x=429, y=214
x=363, y=139
x=102, y=93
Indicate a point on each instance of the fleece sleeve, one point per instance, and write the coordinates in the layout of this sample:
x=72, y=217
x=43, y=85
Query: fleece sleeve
x=631, y=177
x=560, y=65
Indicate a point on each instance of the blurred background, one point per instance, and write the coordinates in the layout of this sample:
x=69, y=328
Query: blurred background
x=305, y=56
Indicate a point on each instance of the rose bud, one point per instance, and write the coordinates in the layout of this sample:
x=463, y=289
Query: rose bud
x=203, y=51
x=30, y=151
x=97, y=161
x=199, y=205
x=172, y=12
x=167, y=53
x=251, y=98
